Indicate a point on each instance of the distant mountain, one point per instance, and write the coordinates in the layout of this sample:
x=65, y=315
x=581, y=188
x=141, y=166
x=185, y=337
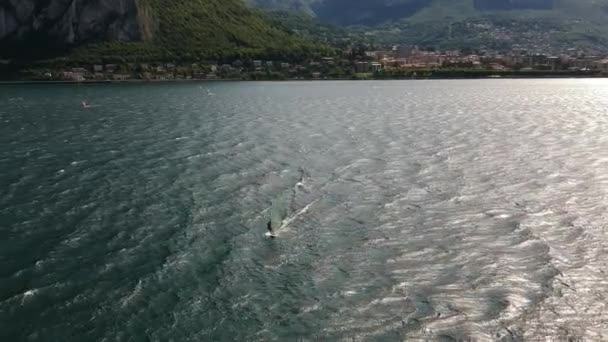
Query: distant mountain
x=558, y=23
x=303, y=6
x=142, y=29
x=502, y=5
x=349, y=12
x=354, y=12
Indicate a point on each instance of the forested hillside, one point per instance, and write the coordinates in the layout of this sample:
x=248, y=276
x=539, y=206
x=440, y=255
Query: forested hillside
x=142, y=30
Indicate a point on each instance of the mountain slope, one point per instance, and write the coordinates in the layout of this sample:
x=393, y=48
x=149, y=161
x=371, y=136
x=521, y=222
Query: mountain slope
x=553, y=24
x=349, y=12
x=535, y=25
x=304, y=6
x=142, y=29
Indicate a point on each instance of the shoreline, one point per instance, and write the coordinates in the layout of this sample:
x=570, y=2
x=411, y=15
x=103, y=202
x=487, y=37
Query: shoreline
x=139, y=81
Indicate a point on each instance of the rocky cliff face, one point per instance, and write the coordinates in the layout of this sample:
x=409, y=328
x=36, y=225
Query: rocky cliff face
x=64, y=23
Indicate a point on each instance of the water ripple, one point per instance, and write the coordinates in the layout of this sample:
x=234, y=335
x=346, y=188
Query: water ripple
x=478, y=214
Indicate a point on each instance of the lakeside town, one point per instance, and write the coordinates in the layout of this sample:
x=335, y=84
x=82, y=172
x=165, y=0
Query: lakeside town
x=392, y=62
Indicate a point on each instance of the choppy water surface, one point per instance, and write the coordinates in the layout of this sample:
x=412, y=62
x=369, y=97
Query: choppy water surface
x=434, y=210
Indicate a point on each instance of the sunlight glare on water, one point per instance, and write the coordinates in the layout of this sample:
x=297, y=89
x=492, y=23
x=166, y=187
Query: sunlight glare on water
x=433, y=210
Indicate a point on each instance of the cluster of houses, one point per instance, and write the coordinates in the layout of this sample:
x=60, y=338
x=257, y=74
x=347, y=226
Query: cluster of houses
x=370, y=62
x=118, y=72
x=406, y=57
x=172, y=71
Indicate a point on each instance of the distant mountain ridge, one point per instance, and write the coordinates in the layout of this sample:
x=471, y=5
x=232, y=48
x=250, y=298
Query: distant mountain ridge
x=554, y=24
x=304, y=6
x=514, y=4
x=349, y=12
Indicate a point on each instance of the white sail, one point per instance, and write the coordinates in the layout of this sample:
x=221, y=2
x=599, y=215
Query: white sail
x=279, y=211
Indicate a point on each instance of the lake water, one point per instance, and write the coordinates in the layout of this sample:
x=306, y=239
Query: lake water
x=433, y=210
